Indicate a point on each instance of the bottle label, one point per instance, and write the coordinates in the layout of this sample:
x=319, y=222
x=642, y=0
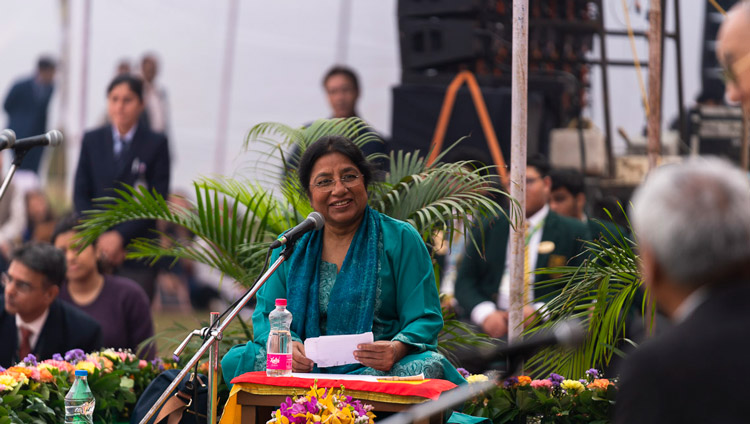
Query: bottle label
x=279, y=361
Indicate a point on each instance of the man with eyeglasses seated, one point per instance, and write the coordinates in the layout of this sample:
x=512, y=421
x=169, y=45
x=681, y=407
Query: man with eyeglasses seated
x=483, y=283
x=33, y=320
x=733, y=52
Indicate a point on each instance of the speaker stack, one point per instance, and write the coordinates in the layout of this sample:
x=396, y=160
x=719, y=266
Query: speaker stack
x=439, y=38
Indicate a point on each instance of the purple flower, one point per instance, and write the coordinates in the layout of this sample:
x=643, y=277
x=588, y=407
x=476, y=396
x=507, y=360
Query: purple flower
x=2, y=369
x=583, y=381
x=556, y=379
x=75, y=355
x=510, y=382
x=358, y=408
x=57, y=357
x=158, y=363
x=593, y=373
x=463, y=372
x=30, y=359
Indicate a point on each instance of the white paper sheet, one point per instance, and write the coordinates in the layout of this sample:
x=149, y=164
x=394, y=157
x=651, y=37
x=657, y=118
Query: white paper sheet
x=330, y=351
x=348, y=377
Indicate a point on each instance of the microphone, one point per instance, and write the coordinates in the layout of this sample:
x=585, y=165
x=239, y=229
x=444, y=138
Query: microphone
x=7, y=139
x=569, y=334
x=314, y=221
x=52, y=138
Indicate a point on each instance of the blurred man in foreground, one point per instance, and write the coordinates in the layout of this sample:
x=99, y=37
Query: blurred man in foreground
x=692, y=222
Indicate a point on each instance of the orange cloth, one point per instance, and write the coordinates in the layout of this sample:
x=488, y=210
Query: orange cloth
x=430, y=389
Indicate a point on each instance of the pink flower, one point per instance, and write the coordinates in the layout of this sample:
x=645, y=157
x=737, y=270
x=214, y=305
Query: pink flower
x=142, y=364
x=541, y=384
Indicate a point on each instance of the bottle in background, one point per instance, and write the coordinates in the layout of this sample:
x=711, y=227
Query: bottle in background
x=79, y=402
x=279, y=346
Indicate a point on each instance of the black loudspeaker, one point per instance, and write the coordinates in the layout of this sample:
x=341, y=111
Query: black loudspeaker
x=440, y=7
x=711, y=72
x=435, y=41
x=416, y=109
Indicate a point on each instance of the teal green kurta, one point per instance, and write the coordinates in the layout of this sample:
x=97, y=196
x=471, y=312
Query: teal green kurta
x=407, y=309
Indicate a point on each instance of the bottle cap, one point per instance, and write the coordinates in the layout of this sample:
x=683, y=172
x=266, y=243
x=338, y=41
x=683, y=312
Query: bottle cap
x=280, y=302
x=81, y=373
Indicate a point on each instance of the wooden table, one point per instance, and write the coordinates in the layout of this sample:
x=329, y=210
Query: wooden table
x=257, y=408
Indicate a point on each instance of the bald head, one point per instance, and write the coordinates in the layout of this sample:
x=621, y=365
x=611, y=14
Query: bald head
x=733, y=51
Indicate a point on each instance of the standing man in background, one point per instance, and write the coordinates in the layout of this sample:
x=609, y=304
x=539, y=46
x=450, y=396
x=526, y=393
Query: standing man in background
x=156, y=109
x=26, y=105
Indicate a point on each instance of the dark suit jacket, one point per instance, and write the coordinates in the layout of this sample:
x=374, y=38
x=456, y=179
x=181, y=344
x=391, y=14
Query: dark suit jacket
x=478, y=279
x=98, y=173
x=26, y=104
x=66, y=328
x=697, y=371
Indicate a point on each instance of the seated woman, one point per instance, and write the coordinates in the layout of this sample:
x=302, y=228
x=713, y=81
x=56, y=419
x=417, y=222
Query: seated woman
x=364, y=271
x=119, y=305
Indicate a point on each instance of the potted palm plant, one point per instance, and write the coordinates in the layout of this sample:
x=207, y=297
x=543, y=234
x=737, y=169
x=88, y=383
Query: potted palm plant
x=234, y=219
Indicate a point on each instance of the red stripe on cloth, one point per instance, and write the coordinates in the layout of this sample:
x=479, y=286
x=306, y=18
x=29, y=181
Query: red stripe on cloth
x=430, y=389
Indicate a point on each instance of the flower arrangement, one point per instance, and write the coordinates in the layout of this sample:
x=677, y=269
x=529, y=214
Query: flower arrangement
x=34, y=391
x=554, y=399
x=323, y=406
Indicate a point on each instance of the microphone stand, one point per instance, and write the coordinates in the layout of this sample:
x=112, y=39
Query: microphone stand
x=211, y=337
x=12, y=171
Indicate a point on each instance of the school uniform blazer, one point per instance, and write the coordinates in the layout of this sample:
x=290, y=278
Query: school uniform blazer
x=66, y=328
x=479, y=278
x=146, y=162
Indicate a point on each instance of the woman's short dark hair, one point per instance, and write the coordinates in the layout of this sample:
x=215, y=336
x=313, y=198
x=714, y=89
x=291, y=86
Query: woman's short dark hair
x=43, y=258
x=342, y=70
x=65, y=225
x=332, y=144
x=134, y=83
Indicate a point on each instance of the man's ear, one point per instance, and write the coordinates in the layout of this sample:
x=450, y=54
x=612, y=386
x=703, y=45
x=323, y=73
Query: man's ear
x=651, y=271
x=51, y=293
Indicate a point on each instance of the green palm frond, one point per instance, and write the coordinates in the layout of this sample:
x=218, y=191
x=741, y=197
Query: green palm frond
x=599, y=294
x=280, y=137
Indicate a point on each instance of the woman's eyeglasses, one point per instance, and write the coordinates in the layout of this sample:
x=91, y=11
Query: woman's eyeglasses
x=328, y=184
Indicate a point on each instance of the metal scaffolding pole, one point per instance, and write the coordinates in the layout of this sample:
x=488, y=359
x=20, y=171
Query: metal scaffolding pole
x=654, y=83
x=518, y=132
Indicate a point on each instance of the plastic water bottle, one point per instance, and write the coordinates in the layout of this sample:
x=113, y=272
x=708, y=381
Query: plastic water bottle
x=279, y=346
x=79, y=402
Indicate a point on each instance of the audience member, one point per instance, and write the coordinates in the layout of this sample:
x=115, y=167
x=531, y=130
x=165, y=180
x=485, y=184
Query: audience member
x=483, y=285
x=156, y=108
x=40, y=219
x=342, y=89
x=693, y=227
x=27, y=104
x=568, y=198
x=33, y=320
x=692, y=221
x=129, y=153
x=123, y=67
x=118, y=304
x=12, y=221
x=733, y=52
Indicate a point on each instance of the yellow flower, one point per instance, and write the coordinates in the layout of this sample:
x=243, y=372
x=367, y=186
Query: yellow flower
x=86, y=365
x=8, y=381
x=111, y=354
x=475, y=378
x=572, y=385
